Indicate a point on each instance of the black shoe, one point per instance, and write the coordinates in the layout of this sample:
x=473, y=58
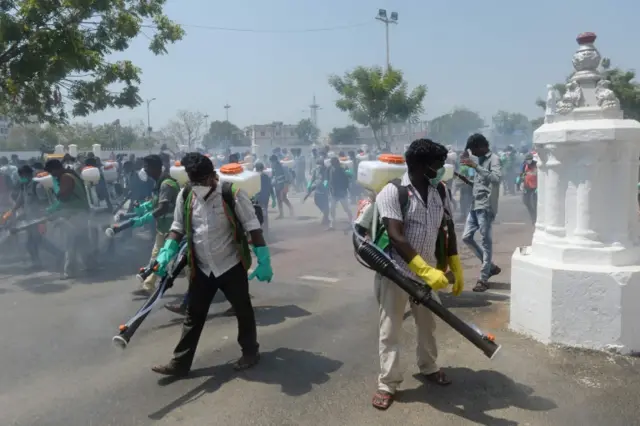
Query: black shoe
x=170, y=369
x=176, y=308
x=495, y=270
x=246, y=361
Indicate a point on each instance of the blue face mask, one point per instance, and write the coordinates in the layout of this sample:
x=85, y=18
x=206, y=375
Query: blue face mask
x=436, y=180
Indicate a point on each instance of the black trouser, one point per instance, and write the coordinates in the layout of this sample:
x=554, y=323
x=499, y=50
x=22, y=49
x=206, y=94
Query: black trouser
x=530, y=199
x=235, y=286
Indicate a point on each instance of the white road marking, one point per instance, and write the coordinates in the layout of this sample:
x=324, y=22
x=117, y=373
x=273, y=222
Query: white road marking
x=512, y=223
x=322, y=279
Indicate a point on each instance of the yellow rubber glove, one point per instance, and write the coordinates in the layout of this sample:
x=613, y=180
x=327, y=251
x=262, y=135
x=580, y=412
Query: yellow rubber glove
x=434, y=278
x=456, y=269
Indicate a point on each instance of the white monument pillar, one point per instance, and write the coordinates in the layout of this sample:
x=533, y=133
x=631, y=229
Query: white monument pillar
x=579, y=282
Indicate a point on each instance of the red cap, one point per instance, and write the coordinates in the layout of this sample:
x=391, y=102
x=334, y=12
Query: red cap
x=586, y=38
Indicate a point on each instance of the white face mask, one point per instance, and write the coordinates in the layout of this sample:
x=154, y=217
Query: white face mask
x=143, y=175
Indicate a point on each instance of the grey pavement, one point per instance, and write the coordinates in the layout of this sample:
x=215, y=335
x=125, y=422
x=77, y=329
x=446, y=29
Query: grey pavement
x=317, y=325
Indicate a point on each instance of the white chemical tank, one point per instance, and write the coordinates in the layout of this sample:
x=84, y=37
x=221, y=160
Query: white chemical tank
x=58, y=149
x=448, y=172
x=374, y=175
x=346, y=163
x=243, y=179
x=287, y=162
x=96, y=148
x=73, y=150
x=110, y=171
x=90, y=174
x=44, y=179
x=178, y=172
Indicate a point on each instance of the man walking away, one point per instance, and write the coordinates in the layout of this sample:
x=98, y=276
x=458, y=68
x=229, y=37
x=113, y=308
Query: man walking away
x=339, y=182
x=486, y=190
x=266, y=191
x=529, y=180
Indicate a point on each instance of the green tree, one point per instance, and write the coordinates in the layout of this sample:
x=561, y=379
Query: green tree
x=455, y=127
x=343, y=135
x=623, y=84
x=510, y=123
x=376, y=98
x=55, y=56
x=222, y=133
x=307, y=132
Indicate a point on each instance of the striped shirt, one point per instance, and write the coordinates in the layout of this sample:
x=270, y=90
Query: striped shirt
x=214, y=246
x=421, y=220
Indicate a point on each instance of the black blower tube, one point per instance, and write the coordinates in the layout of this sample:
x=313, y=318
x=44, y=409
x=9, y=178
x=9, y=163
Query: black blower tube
x=421, y=294
x=128, y=329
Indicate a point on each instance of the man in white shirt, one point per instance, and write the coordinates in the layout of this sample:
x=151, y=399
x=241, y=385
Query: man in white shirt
x=413, y=231
x=215, y=233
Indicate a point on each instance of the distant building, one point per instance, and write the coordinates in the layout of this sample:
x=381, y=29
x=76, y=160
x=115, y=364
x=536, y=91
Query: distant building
x=269, y=136
x=400, y=133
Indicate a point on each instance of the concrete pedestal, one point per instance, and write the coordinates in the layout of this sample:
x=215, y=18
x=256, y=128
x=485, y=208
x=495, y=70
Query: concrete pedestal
x=592, y=307
x=578, y=283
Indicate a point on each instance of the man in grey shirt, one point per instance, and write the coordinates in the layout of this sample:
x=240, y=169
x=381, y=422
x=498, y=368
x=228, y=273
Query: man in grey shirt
x=486, y=190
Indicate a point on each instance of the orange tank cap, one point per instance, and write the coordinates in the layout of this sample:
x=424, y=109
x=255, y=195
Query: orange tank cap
x=231, y=169
x=391, y=158
x=87, y=168
x=344, y=158
x=177, y=164
x=42, y=174
x=109, y=166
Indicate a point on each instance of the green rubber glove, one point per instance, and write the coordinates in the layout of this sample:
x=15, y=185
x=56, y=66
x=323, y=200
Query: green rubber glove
x=263, y=271
x=167, y=252
x=53, y=207
x=56, y=185
x=325, y=183
x=273, y=204
x=142, y=220
x=518, y=180
x=143, y=208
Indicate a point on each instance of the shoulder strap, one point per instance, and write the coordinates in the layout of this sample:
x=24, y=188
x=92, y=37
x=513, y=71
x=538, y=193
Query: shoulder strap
x=185, y=193
x=403, y=195
x=228, y=195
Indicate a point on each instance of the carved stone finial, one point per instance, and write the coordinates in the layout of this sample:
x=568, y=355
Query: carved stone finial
x=571, y=99
x=552, y=99
x=605, y=97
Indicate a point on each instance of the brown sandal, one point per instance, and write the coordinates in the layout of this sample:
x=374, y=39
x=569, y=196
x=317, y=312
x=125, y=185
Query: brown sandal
x=382, y=399
x=438, y=378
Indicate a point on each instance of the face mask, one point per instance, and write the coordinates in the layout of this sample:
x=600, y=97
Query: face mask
x=436, y=180
x=24, y=180
x=143, y=175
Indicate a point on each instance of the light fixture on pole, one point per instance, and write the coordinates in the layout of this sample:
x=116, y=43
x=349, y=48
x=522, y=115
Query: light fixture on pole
x=392, y=19
x=149, y=116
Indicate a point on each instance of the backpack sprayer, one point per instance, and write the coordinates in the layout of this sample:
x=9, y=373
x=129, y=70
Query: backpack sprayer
x=373, y=258
x=128, y=329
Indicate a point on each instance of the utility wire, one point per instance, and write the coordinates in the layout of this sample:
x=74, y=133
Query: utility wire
x=250, y=30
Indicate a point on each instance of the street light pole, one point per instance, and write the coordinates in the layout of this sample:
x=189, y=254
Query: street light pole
x=392, y=19
x=149, y=116
x=226, y=113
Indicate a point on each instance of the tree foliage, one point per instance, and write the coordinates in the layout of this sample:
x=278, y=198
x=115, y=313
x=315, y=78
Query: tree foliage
x=623, y=84
x=84, y=135
x=343, y=135
x=509, y=123
x=375, y=97
x=223, y=133
x=55, y=55
x=307, y=132
x=455, y=127
x=186, y=128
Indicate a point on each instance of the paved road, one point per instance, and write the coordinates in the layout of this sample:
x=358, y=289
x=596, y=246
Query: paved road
x=318, y=335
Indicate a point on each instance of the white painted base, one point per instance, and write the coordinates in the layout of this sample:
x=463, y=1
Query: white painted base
x=591, y=306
